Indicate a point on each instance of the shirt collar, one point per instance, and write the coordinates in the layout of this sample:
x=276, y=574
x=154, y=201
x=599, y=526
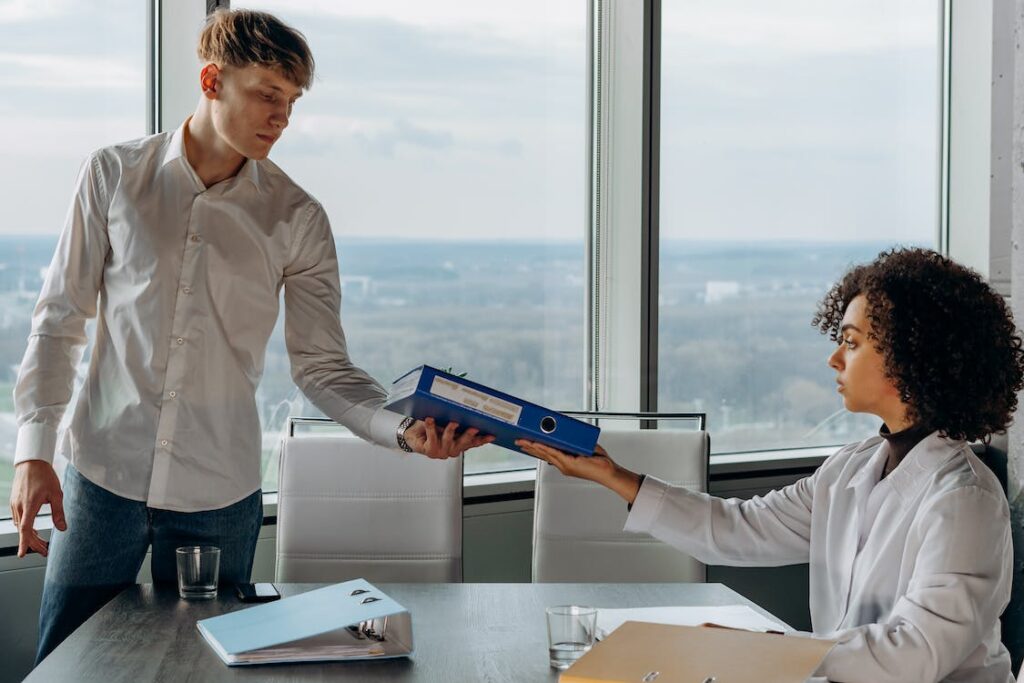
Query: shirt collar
x=176, y=150
x=251, y=171
x=869, y=473
x=931, y=453
x=176, y=147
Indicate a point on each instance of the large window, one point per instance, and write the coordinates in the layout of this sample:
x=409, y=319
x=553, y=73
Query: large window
x=797, y=138
x=447, y=141
x=74, y=80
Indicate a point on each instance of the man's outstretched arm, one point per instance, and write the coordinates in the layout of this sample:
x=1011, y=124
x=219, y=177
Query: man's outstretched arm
x=321, y=366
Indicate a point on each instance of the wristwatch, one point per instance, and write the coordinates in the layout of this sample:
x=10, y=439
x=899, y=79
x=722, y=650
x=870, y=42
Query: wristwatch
x=400, y=434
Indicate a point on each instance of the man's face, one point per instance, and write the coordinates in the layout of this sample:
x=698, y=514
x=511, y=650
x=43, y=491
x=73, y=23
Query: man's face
x=252, y=107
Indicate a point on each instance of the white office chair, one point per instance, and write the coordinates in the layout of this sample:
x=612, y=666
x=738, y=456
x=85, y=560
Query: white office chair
x=577, y=525
x=348, y=509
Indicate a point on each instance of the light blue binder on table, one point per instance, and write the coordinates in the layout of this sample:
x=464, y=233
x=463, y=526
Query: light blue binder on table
x=428, y=392
x=346, y=621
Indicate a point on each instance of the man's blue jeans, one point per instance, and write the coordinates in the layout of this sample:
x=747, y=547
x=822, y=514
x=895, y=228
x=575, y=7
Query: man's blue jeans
x=106, y=542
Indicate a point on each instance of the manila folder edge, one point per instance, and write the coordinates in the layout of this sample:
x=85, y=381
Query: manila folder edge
x=695, y=653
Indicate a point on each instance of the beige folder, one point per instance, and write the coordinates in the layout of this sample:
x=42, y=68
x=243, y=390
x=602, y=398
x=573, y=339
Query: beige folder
x=639, y=652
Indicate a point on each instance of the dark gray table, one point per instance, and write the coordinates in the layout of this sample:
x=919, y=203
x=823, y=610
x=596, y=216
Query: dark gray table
x=462, y=632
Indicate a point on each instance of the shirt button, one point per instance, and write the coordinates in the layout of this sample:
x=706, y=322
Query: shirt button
x=187, y=290
x=172, y=394
x=163, y=442
x=194, y=238
x=180, y=340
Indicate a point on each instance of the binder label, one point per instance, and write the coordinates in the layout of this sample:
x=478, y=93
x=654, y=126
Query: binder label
x=477, y=400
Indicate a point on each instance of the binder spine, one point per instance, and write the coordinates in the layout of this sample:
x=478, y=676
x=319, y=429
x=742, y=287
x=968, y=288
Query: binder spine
x=428, y=392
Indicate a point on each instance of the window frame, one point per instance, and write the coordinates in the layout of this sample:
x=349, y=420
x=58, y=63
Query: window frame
x=621, y=323
x=623, y=153
x=621, y=319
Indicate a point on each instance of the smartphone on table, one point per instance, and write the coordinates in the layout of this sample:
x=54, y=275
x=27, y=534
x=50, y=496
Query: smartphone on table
x=256, y=592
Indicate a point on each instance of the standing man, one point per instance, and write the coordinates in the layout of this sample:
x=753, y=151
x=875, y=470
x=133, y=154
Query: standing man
x=180, y=243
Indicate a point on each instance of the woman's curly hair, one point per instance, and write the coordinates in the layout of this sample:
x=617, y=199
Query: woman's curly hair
x=948, y=340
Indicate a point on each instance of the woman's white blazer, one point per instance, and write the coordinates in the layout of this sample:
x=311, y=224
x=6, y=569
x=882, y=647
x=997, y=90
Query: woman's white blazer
x=911, y=588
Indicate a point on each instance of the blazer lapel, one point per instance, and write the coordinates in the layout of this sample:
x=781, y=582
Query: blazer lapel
x=859, y=488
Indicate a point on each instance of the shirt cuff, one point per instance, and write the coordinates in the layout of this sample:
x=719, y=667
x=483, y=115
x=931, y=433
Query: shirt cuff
x=629, y=506
x=384, y=428
x=36, y=441
x=647, y=505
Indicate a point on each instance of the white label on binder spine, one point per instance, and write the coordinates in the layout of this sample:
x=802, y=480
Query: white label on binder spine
x=477, y=400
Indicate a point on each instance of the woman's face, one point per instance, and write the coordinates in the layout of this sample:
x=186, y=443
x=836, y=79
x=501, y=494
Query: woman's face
x=860, y=370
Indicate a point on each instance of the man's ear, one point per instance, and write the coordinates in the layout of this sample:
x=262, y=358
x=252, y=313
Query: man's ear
x=209, y=80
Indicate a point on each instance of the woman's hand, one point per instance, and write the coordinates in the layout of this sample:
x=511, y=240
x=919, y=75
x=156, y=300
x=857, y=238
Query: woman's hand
x=599, y=467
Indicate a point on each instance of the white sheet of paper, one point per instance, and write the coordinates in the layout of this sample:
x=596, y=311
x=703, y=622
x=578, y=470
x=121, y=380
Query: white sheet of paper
x=733, y=616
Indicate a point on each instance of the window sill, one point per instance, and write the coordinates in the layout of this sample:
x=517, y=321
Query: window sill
x=494, y=487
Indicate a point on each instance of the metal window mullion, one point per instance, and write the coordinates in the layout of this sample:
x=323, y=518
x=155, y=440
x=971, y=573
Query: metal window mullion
x=945, y=60
x=619, y=204
x=153, y=66
x=650, y=231
x=968, y=145
x=592, y=247
x=179, y=23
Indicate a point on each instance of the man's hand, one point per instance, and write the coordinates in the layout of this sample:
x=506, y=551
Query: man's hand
x=35, y=483
x=425, y=437
x=598, y=467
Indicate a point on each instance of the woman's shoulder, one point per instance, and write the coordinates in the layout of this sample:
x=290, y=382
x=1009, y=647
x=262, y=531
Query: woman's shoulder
x=964, y=472
x=852, y=455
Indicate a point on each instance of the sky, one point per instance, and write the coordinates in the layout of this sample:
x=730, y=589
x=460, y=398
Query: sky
x=454, y=120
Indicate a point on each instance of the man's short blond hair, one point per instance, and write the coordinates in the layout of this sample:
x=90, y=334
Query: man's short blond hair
x=242, y=38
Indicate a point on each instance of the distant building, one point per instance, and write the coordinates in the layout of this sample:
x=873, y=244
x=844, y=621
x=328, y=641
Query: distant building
x=720, y=290
x=356, y=284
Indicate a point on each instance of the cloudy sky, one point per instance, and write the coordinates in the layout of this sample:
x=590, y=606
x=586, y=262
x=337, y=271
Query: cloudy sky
x=454, y=120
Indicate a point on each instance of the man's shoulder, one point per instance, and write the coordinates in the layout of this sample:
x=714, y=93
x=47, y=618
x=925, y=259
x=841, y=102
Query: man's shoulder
x=281, y=186
x=130, y=152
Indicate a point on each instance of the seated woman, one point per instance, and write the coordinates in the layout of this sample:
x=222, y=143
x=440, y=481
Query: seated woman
x=907, y=533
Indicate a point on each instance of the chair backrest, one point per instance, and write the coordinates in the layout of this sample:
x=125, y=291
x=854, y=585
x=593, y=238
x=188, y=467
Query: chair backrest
x=577, y=525
x=349, y=509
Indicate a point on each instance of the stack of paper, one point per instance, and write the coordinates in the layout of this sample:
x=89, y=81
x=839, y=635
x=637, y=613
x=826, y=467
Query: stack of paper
x=732, y=616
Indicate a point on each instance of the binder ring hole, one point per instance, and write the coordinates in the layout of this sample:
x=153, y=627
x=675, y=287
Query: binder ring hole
x=369, y=599
x=359, y=591
x=548, y=424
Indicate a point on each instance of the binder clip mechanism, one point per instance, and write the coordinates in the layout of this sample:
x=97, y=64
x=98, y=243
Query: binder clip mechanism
x=371, y=629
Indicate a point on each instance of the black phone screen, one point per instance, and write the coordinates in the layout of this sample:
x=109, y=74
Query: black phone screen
x=257, y=592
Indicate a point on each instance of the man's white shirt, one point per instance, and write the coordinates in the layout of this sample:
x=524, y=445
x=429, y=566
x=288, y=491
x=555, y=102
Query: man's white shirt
x=185, y=283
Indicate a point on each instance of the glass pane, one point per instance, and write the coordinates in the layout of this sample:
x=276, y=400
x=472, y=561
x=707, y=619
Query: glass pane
x=75, y=73
x=797, y=138
x=447, y=142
